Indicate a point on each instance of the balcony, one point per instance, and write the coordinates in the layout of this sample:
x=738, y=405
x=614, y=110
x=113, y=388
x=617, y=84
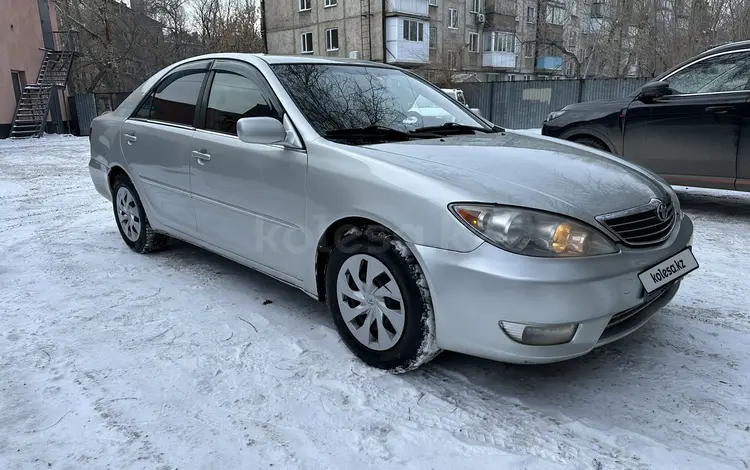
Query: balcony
x=407, y=40
x=501, y=14
x=550, y=63
x=419, y=8
x=499, y=59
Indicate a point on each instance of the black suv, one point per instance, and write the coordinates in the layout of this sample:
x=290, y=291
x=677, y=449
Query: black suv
x=691, y=124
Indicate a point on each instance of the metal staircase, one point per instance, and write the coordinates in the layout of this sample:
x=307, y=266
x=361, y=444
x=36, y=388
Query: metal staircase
x=30, y=118
x=365, y=29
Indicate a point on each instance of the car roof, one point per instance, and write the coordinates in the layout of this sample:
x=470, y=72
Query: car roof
x=291, y=59
x=730, y=46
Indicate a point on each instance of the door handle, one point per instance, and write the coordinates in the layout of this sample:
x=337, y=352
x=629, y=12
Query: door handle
x=131, y=138
x=201, y=157
x=720, y=109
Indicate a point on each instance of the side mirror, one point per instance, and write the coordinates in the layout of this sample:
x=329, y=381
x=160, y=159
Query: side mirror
x=260, y=130
x=654, y=90
x=476, y=111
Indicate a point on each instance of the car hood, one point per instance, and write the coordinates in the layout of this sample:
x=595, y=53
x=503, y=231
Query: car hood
x=536, y=172
x=600, y=104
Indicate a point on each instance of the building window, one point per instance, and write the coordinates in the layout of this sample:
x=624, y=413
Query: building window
x=528, y=50
x=570, y=68
x=330, y=3
x=526, y=78
x=476, y=6
x=555, y=13
x=307, y=43
x=473, y=42
x=511, y=78
x=497, y=41
x=433, y=37
x=433, y=3
x=572, y=41
x=531, y=15
x=332, y=39
x=452, y=18
x=452, y=63
x=413, y=31
x=305, y=5
x=598, y=9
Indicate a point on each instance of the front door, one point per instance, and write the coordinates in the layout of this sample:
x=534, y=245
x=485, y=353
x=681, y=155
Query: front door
x=249, y=199
x=743, y=150
x=18, y=86
x=157, y=144
x=691, y=136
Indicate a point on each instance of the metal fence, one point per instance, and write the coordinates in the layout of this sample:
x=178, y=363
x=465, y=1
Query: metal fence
x=524, y=105
x=87, y=106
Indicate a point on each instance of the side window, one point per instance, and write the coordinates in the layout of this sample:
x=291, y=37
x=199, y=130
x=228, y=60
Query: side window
x=232, y=97
x=144, y=112
x=176, y=97
x=728, y=72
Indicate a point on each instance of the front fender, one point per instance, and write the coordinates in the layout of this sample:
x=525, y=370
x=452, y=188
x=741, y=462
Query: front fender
x=615, y=146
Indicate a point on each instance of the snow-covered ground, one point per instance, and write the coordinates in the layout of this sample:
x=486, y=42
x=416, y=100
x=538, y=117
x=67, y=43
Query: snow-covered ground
x=185, y=360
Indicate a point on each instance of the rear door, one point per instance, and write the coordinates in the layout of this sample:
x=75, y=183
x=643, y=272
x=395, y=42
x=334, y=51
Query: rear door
x=156, y=142
x=691, y=137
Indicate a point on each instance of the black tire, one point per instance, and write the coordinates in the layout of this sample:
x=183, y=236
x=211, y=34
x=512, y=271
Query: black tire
x=591, y=142
x=417, y=344
x=148, y=240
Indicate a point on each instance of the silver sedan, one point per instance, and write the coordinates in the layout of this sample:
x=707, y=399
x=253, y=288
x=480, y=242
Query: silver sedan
x=422, y=231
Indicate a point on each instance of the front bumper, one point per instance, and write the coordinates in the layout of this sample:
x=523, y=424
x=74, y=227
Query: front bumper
x=472, y=292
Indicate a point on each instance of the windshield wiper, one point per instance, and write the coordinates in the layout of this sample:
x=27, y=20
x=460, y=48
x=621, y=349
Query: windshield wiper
x=375, y=132
x=450, y=127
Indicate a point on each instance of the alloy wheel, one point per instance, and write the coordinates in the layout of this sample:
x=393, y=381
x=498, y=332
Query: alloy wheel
x=127, y=214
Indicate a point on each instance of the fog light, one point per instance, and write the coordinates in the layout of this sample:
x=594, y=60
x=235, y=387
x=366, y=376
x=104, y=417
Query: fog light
x=539, y=335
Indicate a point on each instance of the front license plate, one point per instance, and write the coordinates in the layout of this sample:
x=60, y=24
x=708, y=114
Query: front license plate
x=668, y=270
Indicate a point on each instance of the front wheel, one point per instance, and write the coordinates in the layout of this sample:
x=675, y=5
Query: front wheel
x=380, y=302
x=592, y=142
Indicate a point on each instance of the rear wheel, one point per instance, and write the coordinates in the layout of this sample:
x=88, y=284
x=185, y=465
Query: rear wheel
x=131, y=218
x=591, y=142
x=380, y=302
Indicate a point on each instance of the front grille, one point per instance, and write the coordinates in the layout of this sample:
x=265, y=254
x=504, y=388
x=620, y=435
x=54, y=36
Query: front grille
x=642, y=226
x=626, y=315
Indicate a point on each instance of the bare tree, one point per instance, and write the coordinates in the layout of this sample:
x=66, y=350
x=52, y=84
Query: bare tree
x=116, y=44
x=447, y=63
x=228, y=25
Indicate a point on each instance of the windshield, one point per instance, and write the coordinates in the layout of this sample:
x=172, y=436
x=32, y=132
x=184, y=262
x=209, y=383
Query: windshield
x=346, y=97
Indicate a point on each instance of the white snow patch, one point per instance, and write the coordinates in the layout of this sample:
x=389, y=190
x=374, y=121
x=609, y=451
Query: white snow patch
x=113, y=359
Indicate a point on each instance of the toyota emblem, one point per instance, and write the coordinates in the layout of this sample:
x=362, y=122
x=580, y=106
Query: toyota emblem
x=662, y=212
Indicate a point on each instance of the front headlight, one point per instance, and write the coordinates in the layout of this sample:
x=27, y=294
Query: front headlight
x=531, y=232
x=555, y=115
x=675, y=203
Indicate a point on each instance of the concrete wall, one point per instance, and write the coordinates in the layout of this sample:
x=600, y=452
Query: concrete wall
x=285, y=25
x=20, y=40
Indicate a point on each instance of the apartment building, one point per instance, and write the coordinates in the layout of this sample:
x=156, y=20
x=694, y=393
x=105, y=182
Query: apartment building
x=484, y=40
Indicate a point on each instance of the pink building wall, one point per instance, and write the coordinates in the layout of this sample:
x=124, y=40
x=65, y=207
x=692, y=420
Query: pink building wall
x=20, y=43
